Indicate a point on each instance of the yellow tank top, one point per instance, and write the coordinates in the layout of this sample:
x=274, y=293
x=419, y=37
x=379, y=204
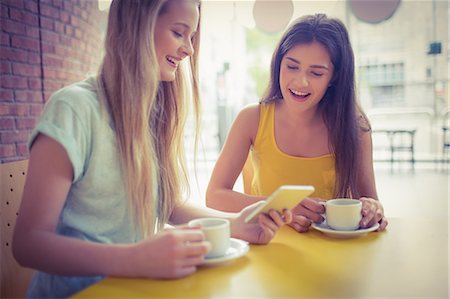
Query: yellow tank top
x=273, y=168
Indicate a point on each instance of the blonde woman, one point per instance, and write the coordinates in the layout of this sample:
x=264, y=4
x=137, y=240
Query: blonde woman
x=106, y=169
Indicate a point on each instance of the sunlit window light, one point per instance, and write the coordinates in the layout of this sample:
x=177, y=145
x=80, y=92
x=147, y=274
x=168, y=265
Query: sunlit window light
x=104, y=4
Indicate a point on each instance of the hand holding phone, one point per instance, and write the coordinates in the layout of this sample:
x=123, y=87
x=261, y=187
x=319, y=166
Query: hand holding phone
x=285, y=197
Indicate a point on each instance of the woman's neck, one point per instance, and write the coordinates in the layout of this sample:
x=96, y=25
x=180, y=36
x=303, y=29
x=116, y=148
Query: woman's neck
x=299, y=117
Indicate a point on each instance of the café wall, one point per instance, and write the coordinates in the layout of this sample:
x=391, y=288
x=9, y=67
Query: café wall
x=44, y=45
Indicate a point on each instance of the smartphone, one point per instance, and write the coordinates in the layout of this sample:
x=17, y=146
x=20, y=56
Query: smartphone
x=285, y=197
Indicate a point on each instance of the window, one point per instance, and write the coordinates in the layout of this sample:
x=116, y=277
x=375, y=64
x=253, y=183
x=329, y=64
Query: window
x=385, y=83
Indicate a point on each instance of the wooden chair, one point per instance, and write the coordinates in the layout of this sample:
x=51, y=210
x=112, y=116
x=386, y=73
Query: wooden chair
x=14, y=278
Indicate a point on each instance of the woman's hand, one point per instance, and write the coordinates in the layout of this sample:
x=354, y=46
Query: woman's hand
x=261, y=231
x=372, y=212
x=172, y=253
x=306, y=212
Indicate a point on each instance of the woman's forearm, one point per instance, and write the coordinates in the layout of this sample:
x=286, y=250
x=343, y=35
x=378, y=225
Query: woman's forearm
x=185, y=212
x=230, y=201
x=56, y=254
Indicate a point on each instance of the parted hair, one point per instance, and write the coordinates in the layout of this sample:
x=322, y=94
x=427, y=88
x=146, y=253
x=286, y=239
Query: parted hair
x=342, y=114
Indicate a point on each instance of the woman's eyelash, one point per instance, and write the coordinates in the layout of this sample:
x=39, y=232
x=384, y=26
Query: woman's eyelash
x=177, y=34
x=293, y=67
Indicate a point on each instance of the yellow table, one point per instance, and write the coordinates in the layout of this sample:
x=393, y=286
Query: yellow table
x=409, y=259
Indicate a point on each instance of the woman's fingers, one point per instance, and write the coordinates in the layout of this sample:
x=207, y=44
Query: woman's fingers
x=191, y=242
x=301, y=223
x=268, y=229
x=313, y=205
x=192, y=261
x=383, y=224
x=192, y=235
x=379, y=215
x=184, y=271
x=372, y=212
x=288, y=216
x=196, y=248
x=368, y=220
x=269, y=221
x=310, y=209
x=279, y=219
x=193, y=248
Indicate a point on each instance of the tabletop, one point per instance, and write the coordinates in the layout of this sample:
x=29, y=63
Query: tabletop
x=409, y=259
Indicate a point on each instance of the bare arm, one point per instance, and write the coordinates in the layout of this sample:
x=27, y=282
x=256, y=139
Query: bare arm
x=185, y=212
x=48, y=181
x=36, y=244
x=372, y=208
x=169, y=254
x=259, y=232
x=366, y=177
x=220, y=194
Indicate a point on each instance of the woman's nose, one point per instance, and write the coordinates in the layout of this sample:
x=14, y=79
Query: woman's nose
x=303, y=80
x=187, y=49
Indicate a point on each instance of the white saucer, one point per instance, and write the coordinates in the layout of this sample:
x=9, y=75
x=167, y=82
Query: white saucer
x=237, y=249
x=324, y=228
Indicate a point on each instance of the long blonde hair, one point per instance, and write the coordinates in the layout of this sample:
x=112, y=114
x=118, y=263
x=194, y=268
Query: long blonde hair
x=148, y=115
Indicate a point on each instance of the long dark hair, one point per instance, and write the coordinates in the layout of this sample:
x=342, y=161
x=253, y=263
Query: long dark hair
x=342, y=115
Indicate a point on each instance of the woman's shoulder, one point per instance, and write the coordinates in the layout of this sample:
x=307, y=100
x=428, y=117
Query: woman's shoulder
x=250, y=115
x=363, y=123
x=247, y=120
x=81, y=97
x=250, y=111
x=80, y=91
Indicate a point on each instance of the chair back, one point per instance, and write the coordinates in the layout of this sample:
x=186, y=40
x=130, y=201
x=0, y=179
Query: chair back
x=14, y=278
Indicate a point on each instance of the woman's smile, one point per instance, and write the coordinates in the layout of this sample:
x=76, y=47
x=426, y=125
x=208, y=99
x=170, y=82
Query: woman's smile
x=173, y=61
x=299, y=95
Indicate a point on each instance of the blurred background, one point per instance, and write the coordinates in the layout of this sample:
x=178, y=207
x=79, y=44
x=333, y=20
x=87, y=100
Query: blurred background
x=402, y=69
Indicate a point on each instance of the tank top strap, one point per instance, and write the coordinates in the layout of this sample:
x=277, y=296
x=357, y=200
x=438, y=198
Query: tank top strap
x=266, y=122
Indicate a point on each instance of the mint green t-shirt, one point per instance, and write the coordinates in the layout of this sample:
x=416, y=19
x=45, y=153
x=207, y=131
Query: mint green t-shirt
x=96, y=208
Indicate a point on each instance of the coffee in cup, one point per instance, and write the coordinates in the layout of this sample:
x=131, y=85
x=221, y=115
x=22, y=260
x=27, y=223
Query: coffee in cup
x=217, y=233
x=343, y=213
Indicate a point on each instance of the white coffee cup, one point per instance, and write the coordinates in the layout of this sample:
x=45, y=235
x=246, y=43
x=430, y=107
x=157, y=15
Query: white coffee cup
x=343, y=213
x=217, y=233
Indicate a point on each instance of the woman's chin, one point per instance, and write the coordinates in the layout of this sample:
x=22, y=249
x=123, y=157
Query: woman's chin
x=167, y=76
